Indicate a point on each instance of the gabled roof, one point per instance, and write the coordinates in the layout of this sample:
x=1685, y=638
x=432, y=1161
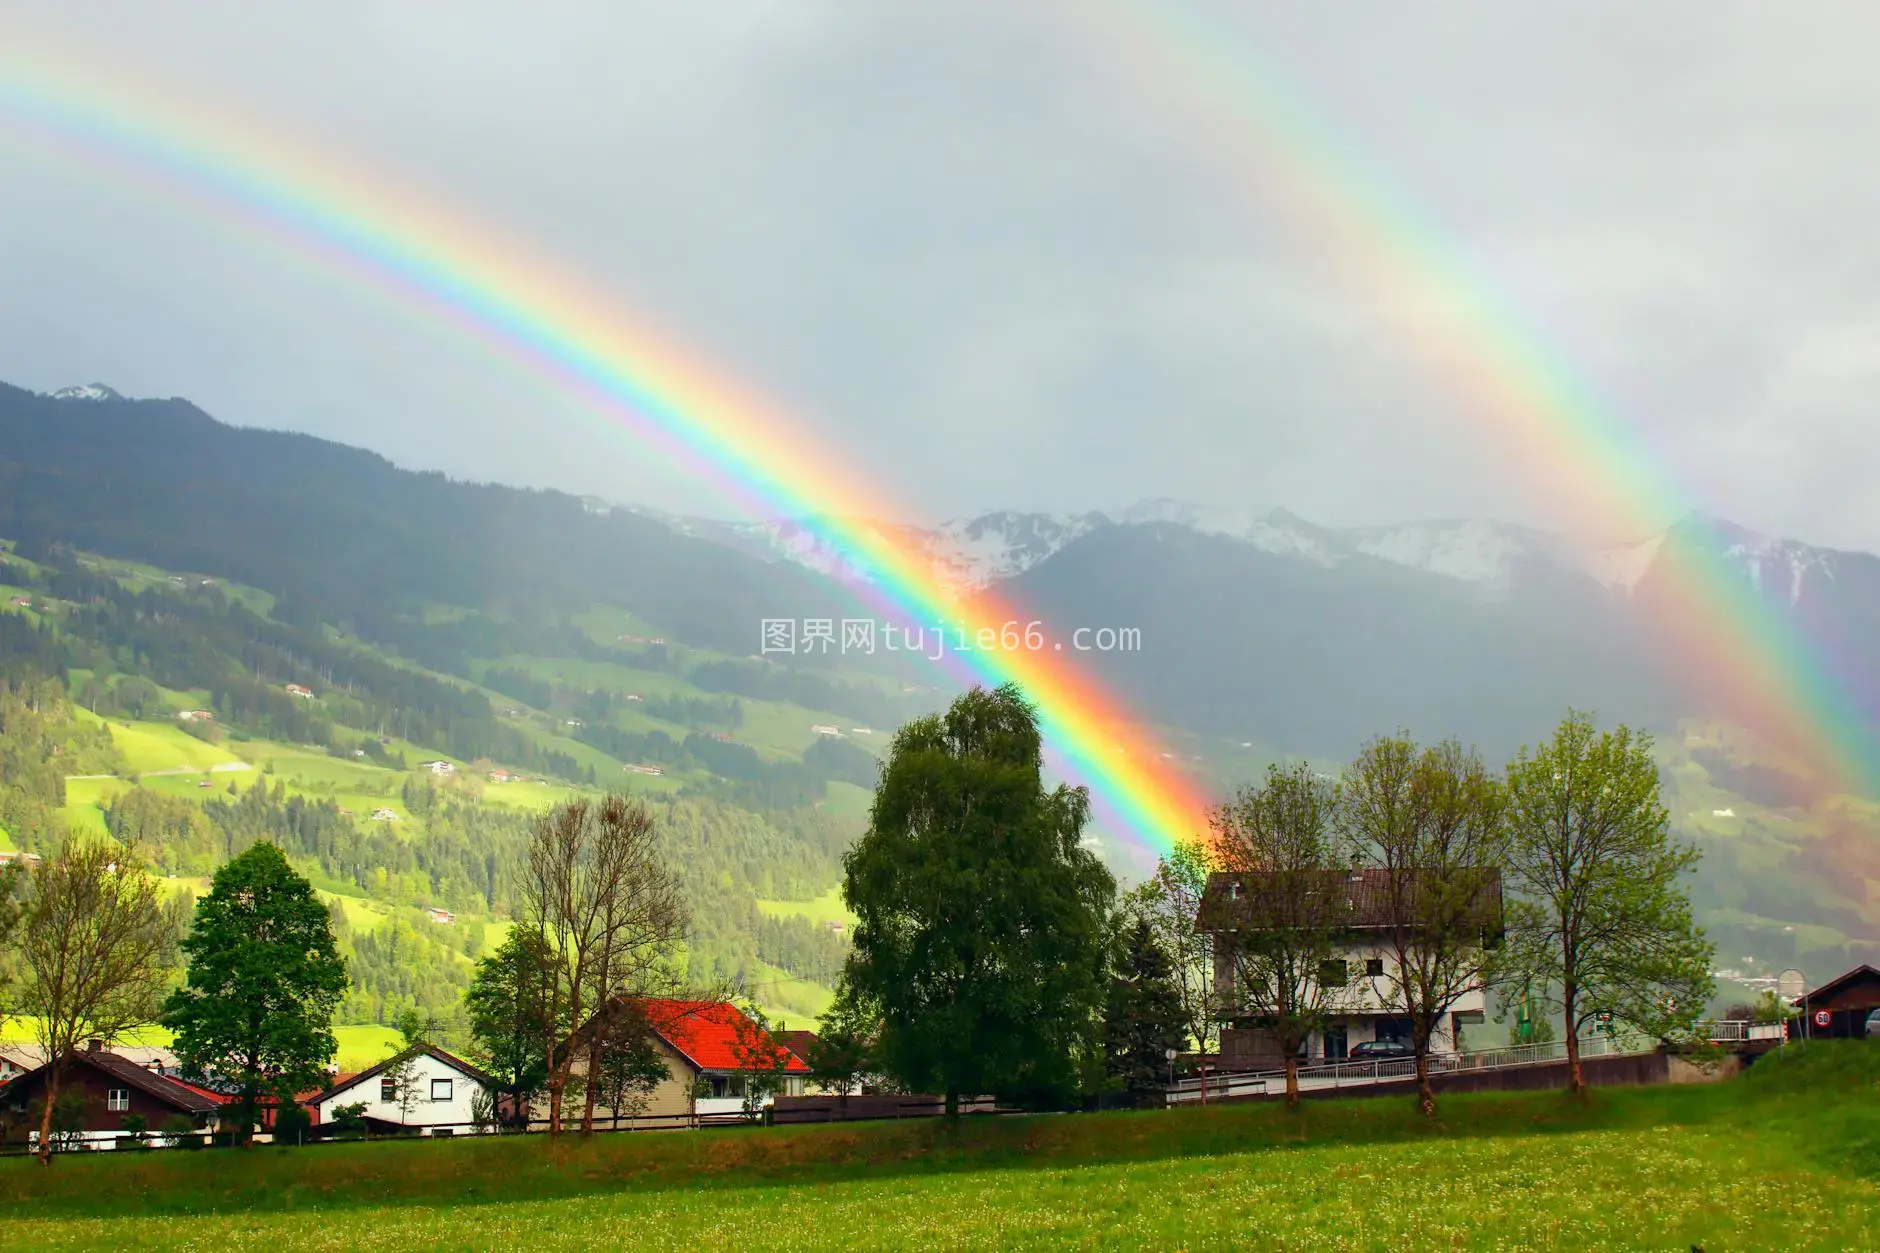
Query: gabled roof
x=1840, y=983
x=798, y=1042
x=706, y=1033
x=162, y=1087
x=351, y=1081
x=1366, y=897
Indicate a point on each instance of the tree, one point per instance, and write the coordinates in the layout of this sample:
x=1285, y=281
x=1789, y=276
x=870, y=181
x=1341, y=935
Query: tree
x=1170, y=901
x=96, y=945
x=1143, y=1018
x=509, y=1006
x=610, y=912
x=12, y=906
x=1288, y=903
x=847, y=1036
x=761, y=1056
x=402, y=1074
x=629, y=1064
x=1431, y=823
x=981, y=920
x=264, y=978
x=1601, y=920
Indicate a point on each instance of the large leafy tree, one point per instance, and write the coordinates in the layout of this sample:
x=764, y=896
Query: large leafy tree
x=1431, y=824
x=511, y=1009
x=1602, y=920
x=96, y=945
x=1286, y=911
x=1142, y=1018
x=981, y=920
x=264, y=978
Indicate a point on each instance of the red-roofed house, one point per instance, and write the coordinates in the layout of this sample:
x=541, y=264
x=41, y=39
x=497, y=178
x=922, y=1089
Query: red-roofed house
x=711, y=1048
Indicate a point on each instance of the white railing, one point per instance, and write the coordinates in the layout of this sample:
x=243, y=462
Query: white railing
x=1357, y=1074
x=1731, y=1031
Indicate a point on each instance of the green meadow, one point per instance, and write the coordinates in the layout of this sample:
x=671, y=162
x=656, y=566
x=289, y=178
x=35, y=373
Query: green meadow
x=359, y=1046
x=1786, y=1157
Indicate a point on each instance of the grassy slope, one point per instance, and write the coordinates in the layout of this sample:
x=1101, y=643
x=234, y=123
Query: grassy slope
x=1782, y=1158
x=359, y=1046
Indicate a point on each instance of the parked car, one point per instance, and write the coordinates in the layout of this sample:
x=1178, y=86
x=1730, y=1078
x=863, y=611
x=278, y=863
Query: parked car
x=1380, y=1051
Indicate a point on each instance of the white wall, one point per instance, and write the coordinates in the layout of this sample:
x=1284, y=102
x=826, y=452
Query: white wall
x=424, y=1110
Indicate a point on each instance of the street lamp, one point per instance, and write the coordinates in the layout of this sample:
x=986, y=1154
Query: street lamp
x=1171, y=1054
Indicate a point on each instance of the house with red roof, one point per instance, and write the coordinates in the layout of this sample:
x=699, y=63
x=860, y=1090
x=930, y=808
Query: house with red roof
x=712, y=1050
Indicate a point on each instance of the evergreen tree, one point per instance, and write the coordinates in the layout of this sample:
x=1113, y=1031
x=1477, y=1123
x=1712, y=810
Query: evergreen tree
x=1143, y=1018
x=981, y=919
x=264, y=978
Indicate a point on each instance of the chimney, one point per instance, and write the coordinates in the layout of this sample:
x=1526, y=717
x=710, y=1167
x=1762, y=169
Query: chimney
x=94, y=1046
x=1357, y=867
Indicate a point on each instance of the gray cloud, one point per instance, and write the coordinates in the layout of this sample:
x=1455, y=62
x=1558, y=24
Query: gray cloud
x=978, y=262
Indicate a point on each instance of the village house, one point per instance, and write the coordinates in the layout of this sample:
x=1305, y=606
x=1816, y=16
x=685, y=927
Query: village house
x=442, y=1099
x=441, y=916
x=12, y=1066
x=827, y=730
x=1844, y=1008
x=1365, y=1006
x=29, y=860
x=503, y=776
x=384, y=815
x=440, y=768
x=195, y=715
x=711, y=1050
x=109, y=1088
x=294, y=689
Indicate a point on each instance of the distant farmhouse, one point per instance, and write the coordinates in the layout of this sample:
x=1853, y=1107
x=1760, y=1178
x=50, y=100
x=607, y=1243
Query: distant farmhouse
x=294, y=689
x=440, y=768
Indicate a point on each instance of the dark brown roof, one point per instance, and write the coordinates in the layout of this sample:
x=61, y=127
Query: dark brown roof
x=1366, y=893
x=128, y=1072
x=798, y=1042
x=448, y=1059
x=1841, y=984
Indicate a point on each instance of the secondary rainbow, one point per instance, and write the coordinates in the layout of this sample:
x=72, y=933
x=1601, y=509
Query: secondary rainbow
x=590, y=346
x=1259, y=133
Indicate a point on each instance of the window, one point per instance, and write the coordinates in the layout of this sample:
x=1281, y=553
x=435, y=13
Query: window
x=440, y=1089
x=117, y=1100
x=1373, y=967
x=1334, y=973
x=388, y=1089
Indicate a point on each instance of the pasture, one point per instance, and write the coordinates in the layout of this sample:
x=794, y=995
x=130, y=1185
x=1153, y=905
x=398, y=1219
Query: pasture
x=1786, y=1157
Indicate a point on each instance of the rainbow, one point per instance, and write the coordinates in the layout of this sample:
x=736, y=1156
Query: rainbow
x=616, y=364
x=1258, y=133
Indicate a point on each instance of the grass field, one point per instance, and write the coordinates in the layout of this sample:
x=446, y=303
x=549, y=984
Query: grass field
x=1785, y=1158
x=825, y=908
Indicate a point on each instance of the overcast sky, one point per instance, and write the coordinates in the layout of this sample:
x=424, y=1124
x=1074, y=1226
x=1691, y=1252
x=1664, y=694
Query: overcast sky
x=987, y=261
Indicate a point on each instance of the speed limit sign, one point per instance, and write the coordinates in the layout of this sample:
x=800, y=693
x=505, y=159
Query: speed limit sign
x=1823, y=1018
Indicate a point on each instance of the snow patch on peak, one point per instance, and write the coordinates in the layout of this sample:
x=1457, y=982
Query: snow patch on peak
x=1621, y=566
x=1473, y=550
x=85, y=391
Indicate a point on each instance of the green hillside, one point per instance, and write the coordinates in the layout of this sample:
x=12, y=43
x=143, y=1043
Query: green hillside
x=180, y=713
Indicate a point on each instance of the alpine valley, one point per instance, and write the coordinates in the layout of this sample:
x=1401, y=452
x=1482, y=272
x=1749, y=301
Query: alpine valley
x=210, y=632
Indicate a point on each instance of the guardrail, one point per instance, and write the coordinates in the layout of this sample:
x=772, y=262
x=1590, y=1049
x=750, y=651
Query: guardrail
x=1349, y=1074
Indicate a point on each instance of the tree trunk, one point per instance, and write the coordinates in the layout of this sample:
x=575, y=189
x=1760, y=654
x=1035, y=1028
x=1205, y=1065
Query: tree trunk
x=953, y=1105
x=1576, y=1082
x=554, y=1104
x=1292, y=1080
x=1426, y=1095
x=593, y=1085
x=45, y=1116
x=1204, y=1082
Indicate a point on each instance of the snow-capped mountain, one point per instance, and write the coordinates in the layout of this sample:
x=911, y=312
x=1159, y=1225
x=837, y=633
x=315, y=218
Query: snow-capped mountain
x=1491, y=556
x=85, y=391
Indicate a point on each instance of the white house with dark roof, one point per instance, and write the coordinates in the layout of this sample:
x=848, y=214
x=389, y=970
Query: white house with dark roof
x=442, y=1100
